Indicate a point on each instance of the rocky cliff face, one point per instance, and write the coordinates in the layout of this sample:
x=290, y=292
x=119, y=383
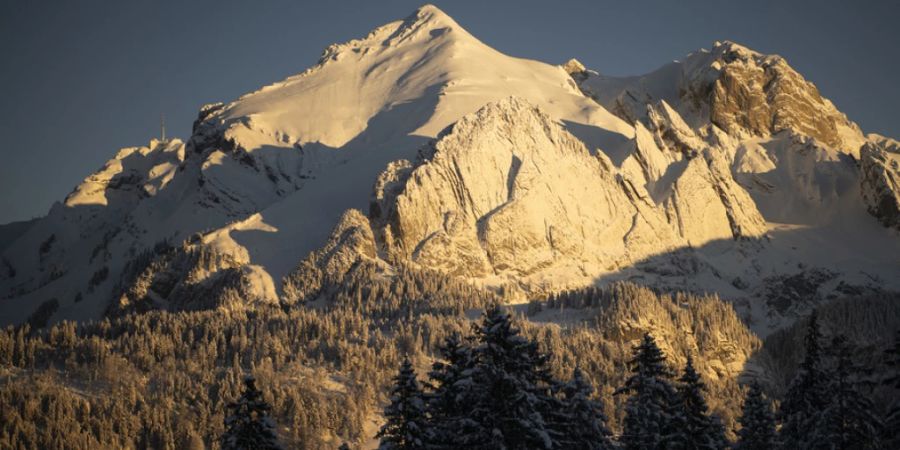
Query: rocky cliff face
x=880, y=178
x=783, y=139
x=764, y=95
x=508, y=192
x=351, y=242
x=689, y=176
x=740, y=91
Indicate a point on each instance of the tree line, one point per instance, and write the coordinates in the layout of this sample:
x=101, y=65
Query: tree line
x=492, y=389
x=326, y=363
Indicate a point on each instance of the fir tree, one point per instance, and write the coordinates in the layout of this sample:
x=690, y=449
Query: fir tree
x=757, y=422
x=694, y=427
x=805, y=397
x=447, y=410
x=892, y=361
x=249, y=426
x=510, y=383
x=648, y=412
x=405, y=427
x=848, y=419
x=581, y=420
x=892, y=418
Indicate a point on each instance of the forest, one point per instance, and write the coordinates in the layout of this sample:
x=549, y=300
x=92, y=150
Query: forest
x=334, y=368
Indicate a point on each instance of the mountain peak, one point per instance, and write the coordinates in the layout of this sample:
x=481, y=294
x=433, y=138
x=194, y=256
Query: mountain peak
x=426, y=22
x=573, y=67
x=425, y=71
x=735, y=50
x=423, y=25
x=428, y=12
x=735, y=88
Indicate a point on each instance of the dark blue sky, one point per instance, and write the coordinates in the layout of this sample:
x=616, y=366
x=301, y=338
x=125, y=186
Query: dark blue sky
x=82, y=79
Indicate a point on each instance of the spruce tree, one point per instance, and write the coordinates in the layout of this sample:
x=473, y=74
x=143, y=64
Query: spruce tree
x=446, y=406
x=757, y=422
x=510, y=383
x=581, y=419
x=892, y=380
x=694, y=427
x=848, y=419
x=648, y=412
x=405, y=425
x=805, y=397
x=248, y=426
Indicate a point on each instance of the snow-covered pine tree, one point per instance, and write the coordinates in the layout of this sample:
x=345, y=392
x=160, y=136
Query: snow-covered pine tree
x=648, y=412
x=510, y=383
x=891, y=436
x=805, y=397
x=694, y=428
x=554, y=411
x=757, y=422
x=248, y=425
x=447, y=411
x=581, y=421
x=405, y=425
x=849, y=419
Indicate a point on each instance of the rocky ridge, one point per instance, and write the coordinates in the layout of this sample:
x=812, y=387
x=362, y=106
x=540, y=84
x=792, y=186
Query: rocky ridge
x=740, y=91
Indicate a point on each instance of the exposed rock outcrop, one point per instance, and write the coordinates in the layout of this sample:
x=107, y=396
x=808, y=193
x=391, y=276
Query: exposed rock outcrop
x=189, y=277
x=690, y=179
x=763, y=95
x=507, y=191
x=134, y=173
x=706, y=204
x=879, y=166
x=351, y=240
x=738, y=90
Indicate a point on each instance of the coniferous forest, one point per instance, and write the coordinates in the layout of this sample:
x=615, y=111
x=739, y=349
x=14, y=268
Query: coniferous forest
x=418, y=360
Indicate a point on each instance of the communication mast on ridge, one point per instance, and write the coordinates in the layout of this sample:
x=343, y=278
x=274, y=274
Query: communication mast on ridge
x=162, y=127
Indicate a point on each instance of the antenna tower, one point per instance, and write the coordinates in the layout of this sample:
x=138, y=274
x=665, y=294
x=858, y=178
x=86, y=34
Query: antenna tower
x=162, y=126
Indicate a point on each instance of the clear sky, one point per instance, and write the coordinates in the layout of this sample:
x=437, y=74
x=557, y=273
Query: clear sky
x=84, y=78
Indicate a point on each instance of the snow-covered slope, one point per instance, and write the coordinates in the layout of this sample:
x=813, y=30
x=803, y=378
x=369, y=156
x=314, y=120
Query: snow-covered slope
x=726, y=173
x=411, y=77
x=268, y=175
x=809, y=170
x=10, y=232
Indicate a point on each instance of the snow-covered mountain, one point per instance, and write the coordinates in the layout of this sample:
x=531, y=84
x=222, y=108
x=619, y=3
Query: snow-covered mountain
x=419, y=145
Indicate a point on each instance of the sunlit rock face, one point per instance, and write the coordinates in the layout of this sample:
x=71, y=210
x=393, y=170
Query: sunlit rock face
x=508, y=192
x=763, y=95
x=737, y=89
